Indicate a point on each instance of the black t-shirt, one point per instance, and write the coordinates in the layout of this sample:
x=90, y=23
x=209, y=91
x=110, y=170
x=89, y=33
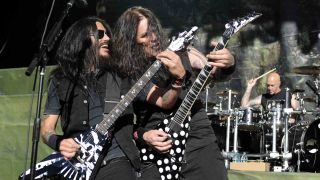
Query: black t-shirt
x=269, y=101
x=96, y=105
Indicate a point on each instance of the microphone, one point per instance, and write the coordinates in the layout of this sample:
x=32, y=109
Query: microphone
x=312, y=87
x=79, y=3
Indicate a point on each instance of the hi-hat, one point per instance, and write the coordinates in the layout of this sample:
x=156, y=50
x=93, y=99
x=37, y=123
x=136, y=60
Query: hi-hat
x=226, y=93
x=307, y=70
x=309, y=99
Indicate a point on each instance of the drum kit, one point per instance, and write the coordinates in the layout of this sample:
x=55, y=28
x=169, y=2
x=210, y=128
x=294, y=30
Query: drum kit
x=278, y=135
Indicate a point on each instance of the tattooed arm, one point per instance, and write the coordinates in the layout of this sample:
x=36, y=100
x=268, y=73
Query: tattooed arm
x=163, y=97
x=68, y=147
x=48, y=127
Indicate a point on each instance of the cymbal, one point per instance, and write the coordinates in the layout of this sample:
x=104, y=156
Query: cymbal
x=309, y=99
x=298, y=90
x=211, y=104
x=226, y=93
x=307, y=70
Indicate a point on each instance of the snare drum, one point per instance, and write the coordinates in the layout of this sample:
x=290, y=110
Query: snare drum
x=250, y=119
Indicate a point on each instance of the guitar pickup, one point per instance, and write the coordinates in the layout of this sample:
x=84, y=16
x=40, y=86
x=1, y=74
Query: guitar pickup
x=83, y=157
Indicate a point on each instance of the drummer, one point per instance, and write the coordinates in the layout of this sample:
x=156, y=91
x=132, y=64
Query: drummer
x=274, y=94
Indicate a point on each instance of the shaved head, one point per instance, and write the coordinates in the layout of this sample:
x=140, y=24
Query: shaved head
x=273, y=83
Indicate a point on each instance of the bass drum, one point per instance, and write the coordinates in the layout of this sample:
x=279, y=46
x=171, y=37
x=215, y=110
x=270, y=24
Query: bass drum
x=304, y=142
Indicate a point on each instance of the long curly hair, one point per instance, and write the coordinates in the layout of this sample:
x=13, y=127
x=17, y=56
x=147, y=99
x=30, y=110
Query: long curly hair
x=130, y=57
x=77, y=55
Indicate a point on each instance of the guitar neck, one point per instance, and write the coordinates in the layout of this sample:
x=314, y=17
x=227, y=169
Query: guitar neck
x=195, y=89
x=220, y=46
x=109, y=119
x=192, y=95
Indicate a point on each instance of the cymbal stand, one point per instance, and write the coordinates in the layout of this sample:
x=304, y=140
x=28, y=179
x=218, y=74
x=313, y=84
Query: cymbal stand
x=235, y=134
x=276, y=114
x=317, y=83
x=299, y=151
x=286, y=155
x=227, y=154
x=299, y=98
x=236, y=156
x=207, y=96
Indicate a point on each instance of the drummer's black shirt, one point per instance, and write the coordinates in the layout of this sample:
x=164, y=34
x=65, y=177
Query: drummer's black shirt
x=269, y=101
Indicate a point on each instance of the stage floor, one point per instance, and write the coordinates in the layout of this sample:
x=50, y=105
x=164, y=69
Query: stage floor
x=256, y=175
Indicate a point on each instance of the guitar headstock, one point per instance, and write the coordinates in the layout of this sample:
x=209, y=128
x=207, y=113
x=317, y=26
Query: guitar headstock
x=235, y=25
x=183, y=39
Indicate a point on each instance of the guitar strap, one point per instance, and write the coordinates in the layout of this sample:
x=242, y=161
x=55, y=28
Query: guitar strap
x=112, y=98
x=113, y=92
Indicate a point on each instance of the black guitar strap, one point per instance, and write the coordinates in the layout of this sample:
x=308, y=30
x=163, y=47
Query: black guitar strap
x=113, y=92
x=111, y=99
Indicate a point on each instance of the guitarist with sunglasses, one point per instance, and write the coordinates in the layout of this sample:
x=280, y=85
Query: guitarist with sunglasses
x=88, y=83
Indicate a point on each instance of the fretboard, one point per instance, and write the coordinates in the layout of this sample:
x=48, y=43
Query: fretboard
x=194, y=91
x=109, y=119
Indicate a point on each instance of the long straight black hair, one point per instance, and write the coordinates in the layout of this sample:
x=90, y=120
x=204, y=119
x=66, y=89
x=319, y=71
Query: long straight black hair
x=77, y=55
x=130, y=57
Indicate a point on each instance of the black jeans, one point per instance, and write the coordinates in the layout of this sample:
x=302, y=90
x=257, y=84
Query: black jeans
x=117, y=169
x=149, y=171
x=205, y=163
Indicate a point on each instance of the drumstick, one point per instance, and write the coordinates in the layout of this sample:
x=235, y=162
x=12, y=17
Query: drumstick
x=266, y=73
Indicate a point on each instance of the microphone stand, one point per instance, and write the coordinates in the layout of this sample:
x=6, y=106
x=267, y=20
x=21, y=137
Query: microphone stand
x=41, y=60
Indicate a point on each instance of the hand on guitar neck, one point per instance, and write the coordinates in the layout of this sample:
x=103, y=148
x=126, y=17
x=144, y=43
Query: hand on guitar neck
x=217, y=58
x=220, y=58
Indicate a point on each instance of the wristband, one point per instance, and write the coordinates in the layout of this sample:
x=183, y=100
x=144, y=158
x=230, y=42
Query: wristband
x=178, y=82
x=54, y=141
x=138, y=135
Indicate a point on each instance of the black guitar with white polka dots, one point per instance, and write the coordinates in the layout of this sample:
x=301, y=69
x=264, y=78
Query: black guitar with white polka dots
x=177, y=126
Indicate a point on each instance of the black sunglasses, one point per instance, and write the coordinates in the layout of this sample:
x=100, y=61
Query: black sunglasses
x=101, y=33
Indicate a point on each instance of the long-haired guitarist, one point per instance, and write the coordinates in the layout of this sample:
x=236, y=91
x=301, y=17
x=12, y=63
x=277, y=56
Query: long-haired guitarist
x=88, y=83
x=141, y=30
x=84, y=87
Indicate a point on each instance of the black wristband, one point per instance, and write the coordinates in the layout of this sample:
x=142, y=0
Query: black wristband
x=178, y=82
x=54, y=141
x=139, y=135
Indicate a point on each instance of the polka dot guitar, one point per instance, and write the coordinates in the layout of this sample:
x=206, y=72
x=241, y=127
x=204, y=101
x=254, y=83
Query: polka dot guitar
x=177, y=126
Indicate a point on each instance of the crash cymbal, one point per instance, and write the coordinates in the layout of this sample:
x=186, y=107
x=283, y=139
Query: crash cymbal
x=307, y=70
x=298, y=90
x=226, y=93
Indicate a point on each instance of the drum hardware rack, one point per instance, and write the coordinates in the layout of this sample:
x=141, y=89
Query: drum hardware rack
x=283, y=156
